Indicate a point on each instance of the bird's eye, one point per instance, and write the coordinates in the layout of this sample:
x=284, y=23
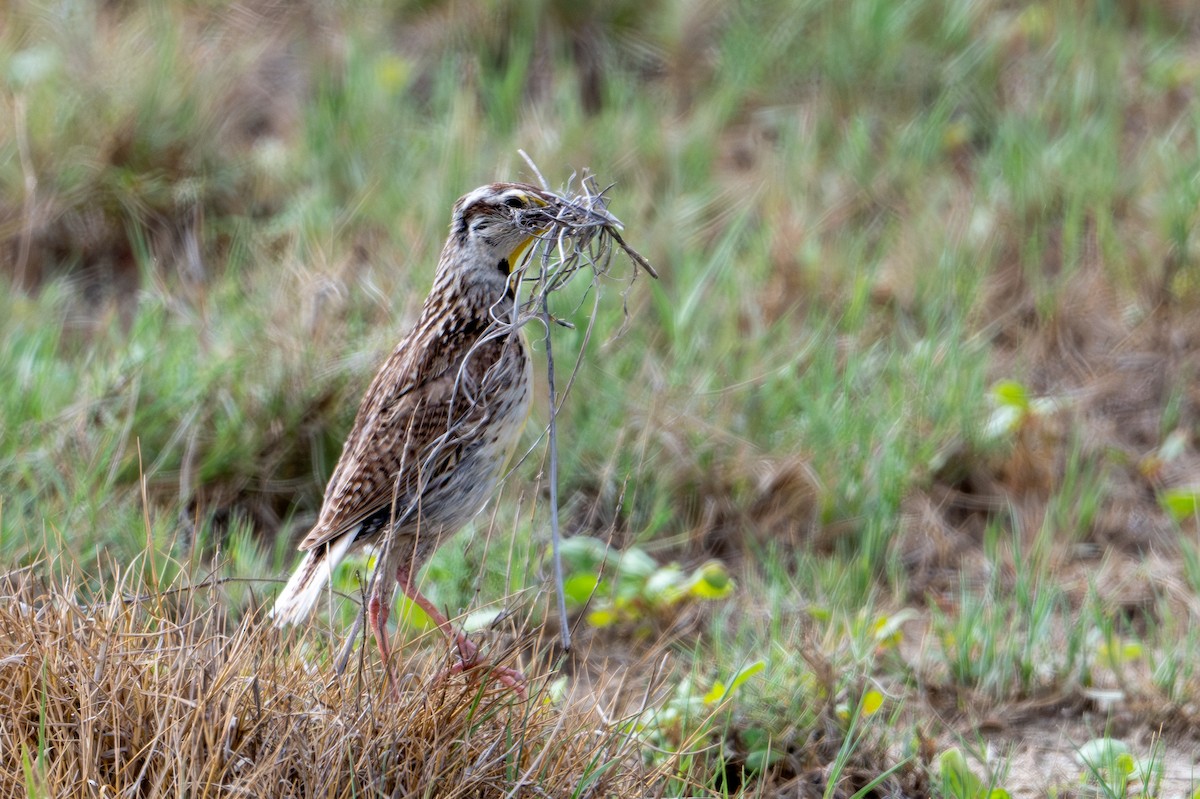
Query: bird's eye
x=515, y=202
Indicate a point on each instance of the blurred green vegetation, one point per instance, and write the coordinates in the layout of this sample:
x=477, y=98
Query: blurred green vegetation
x=215, y=219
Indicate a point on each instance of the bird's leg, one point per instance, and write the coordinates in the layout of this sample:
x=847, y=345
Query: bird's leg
x=468, y=652
x=377, y=616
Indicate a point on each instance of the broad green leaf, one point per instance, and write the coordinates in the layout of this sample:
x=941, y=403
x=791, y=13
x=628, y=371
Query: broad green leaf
x=711, y=581
x=958, y=781
x=1182, y=503
x=755, y=738
x=603, y=617
x=583, y=553
x=413, y=616
x=1012, y=394
x=635, y=563
x=579, y=588
x=556, y=691
x=716, y=693
x=758, y=760
x=745, y=673
x=662, y=587
x=719, y=690
x=715, y=574
x=1101, y=754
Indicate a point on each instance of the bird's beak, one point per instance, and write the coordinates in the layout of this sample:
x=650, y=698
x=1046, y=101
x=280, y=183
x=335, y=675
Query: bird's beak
x=514, y=257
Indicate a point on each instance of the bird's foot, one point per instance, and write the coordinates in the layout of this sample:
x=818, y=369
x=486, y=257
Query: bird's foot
x=508, y=677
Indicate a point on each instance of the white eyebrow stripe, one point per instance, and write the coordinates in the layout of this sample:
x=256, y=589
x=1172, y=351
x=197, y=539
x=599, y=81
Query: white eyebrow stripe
x=476, y=196
x=488, y=192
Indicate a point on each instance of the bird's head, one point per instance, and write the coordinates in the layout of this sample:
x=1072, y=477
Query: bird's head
x=491, y=228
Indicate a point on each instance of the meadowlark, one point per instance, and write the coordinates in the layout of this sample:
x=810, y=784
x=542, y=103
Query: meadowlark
x=438, y=423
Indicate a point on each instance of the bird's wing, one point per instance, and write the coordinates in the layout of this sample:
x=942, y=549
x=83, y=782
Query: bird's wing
x=400, y=436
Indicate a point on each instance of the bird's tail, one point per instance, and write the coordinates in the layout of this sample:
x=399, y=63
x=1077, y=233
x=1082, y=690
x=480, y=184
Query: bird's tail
x=297, y=598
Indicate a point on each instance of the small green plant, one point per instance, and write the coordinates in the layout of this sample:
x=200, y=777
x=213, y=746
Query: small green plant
x=630, y=586
x=1113, y=652
x=686, y=718
x=958, y=781
x=1014, y=409
x=1181, y=502
x=762, y=751
x=1112, y=770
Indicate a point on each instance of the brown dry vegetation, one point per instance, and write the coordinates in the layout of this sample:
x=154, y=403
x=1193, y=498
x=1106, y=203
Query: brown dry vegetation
x=165, y=695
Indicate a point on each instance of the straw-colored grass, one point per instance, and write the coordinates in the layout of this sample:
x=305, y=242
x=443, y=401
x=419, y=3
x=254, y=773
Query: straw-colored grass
x=164, y=695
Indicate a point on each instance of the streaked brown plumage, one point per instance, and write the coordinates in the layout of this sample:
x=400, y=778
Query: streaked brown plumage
x=439, y=422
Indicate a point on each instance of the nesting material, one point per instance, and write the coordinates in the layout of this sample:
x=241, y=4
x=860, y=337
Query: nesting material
x=575, y=234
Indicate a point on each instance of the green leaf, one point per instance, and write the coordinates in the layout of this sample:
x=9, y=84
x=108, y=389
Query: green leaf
x=759, y=760
x=1182, y=503
x=716, y=693
x=1012, y=394
x=745, y=673
x=662, y=587
x=635, y=563
x=602, y=617
x=413, y=616
x=556, y=691
x=583, y=553
x=1102, y=754
x=958, y=781
x=886, y=630
x=711, y=581
x=579, y=588
x=755, y=738
x=719, y=691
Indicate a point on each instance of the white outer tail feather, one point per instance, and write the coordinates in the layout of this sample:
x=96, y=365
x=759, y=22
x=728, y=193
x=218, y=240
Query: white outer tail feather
x=297, y=598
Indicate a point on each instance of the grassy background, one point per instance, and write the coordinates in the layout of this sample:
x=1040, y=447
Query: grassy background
x=216, y=219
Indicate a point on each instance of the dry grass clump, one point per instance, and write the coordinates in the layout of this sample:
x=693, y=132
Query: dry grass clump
x=165, y=695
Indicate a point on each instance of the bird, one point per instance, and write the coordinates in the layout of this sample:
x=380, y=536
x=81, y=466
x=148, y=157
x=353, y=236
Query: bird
x=438, y=424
